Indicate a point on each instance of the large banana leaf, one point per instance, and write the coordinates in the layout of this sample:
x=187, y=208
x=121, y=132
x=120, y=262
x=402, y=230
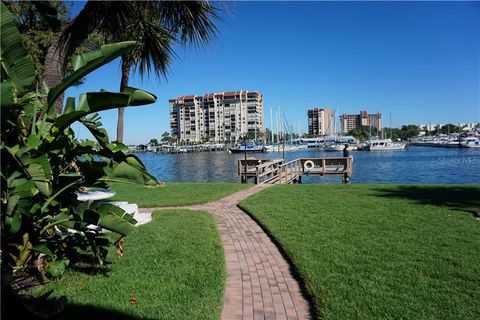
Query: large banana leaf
x=86, y=63
x=41, y=173
x=123, y=168
x=92, y=102
x=131, y=171
x=69, y=105
x=93, y=124
x=17, y=65
x=106, y=216
x=110, y=217
x=6, y=93
x=24, y=188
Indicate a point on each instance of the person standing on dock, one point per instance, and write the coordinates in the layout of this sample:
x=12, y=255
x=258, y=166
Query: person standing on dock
x=345, y=151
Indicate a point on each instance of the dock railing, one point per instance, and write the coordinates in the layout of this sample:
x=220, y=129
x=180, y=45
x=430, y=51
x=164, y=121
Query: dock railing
x=267, y=170
x=330, y=165
x=290, y=171
x=278, y=171
x=257, y=168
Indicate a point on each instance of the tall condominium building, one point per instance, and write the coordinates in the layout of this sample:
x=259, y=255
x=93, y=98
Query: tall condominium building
x=320, y=121
x=352, y=121
x=218, y=117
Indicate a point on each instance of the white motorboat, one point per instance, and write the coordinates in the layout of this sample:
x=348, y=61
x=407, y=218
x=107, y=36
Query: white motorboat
x=385, y=145
x=340, y=147
x=287, y=147
x=471, y=142
x=452, y=143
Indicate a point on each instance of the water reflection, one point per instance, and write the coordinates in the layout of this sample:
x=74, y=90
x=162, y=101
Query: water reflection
x=415, y=165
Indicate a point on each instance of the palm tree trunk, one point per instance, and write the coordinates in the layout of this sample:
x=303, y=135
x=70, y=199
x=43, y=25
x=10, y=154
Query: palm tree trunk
x=53, y=73
x=123, y=83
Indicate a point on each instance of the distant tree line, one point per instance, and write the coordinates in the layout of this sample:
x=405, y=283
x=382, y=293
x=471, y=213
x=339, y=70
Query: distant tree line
x=448, y=128
x=404, y=133
x=166, y=138
x=363, y=133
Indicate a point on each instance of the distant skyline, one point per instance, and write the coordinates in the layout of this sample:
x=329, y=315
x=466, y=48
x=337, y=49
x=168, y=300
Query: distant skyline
x=418, y=61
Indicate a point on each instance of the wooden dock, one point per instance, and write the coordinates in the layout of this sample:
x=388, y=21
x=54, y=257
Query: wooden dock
x=280, y=172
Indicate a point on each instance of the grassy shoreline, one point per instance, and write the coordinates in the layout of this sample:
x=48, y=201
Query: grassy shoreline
x=175, y=193
x=379, y=251
x=364, y=251
x=172, y=268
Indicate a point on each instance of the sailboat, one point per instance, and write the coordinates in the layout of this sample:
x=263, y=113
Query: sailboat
x=283, y=131
x=335, y=145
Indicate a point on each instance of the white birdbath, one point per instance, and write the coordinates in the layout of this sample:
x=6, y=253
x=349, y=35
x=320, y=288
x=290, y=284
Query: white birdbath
x=92, y=195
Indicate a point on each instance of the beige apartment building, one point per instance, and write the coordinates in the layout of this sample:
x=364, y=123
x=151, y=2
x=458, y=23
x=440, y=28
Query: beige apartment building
x=320, y=121
x=217, y=117
x=353, y=121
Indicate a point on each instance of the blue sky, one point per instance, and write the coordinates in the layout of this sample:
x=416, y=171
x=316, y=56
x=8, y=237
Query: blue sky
x=416, y=61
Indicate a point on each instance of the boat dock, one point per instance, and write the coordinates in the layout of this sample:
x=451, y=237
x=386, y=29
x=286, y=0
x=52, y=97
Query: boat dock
x=280, y=172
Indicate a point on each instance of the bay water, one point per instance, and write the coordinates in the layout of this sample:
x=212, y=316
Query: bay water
x=415, y=165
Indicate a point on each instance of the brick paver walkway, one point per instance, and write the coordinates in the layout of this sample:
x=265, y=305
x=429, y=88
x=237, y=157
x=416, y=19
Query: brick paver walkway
x=259, y=282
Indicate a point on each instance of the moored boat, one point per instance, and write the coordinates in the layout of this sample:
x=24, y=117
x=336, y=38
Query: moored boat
x=249, y=148
x=471, y=142
x=385, y=145
x=340, y=147
x=287, y=147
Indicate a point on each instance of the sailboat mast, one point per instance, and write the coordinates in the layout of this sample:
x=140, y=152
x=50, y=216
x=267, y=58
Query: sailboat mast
x=279, y=129
x=335, y=124
x=271, y=124
x=391, y=130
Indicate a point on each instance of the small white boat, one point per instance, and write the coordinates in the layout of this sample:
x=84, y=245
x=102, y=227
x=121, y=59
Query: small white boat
x=385, y=145
x=287, y=147
x=471, y=142
x=340, y=147
x=452, y=144
x=248, y=148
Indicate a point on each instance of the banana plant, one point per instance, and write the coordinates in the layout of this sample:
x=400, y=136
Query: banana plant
x=44, y=165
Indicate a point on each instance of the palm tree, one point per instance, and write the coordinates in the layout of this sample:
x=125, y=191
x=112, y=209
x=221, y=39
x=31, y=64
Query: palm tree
x=155, y=25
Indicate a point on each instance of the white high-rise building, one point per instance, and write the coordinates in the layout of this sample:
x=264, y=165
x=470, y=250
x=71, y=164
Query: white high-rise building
x=320, y=121
x=217, y=117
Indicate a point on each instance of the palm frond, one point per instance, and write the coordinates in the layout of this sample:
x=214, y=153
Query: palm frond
x=153, y=50
x=104, y=17
x=154, y=25
x=48, y=12
x=193, y=21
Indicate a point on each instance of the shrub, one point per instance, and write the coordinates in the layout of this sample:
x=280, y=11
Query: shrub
x=43, y=225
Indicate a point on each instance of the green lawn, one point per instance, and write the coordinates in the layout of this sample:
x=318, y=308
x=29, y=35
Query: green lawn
x=380, y=251
x=173, y=266
x=175, y=193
